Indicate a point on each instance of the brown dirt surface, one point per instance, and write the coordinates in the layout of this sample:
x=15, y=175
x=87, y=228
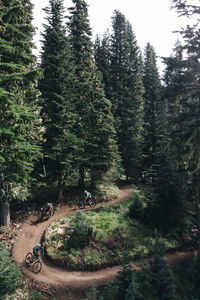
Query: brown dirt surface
x=57, y=281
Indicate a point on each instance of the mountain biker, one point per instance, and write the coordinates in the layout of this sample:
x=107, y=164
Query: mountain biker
x=87, y=196
x=37, y=248
x=47, y=208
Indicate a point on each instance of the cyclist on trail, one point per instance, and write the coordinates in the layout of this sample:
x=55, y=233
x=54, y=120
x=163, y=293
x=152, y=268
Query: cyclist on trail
x=37, y=248
x=87, y=196
x=47, y=208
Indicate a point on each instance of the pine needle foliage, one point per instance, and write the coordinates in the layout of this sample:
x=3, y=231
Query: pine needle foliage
x=95, y=127
x=19, y=125
x=58, y=95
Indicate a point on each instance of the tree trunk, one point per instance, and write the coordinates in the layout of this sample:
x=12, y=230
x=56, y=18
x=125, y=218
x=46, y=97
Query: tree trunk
x=81, y=176
x=60, y=189
x=60, y=194
x=5, y=213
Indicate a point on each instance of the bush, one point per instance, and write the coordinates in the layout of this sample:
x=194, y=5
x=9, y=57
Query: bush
x=79, y=237
x=35, y=295
x=136, y=210
x=9, y=272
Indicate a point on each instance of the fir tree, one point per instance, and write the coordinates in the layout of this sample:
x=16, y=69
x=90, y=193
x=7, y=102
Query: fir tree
x=126, y=94
x=152, y=108
x=95, y=125
x=9, y=273
x=182, y=87
x=133, y=291
x=161, y=278
x=19, y=123
x=58, y=96
x=102, y=60
x=123, y=280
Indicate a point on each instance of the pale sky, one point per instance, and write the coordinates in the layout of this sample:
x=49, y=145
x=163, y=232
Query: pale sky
x=152, y=21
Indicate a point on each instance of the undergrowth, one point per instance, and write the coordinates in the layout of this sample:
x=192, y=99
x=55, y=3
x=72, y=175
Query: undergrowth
x=115, y=234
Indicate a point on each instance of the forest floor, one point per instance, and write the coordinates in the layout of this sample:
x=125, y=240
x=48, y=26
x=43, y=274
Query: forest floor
x=57, y=281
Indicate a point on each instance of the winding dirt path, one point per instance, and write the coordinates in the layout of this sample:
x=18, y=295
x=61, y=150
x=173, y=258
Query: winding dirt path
x=54, y=280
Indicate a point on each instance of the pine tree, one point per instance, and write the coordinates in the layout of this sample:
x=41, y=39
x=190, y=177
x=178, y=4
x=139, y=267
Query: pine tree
x=124, y=280
x=182, y=86
x=152, y=108
x=19, y=123
x=58, y=96
x=95, y=125
x=102, y=60
x=126, y=94
x=133, y=291
x=9, y=273
x=161, y=278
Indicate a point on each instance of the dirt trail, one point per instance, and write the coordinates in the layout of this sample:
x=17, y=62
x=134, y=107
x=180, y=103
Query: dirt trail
x=55, y=280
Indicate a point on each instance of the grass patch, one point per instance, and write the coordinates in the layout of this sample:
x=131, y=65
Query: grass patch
x=115, y=235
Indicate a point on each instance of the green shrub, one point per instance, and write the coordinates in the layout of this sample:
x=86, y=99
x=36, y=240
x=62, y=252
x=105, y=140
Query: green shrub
x=35, y=295
x=136, y=209
x=9, y=272
x=79, y=237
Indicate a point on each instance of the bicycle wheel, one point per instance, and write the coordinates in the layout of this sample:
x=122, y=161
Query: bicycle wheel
x=37, y=266
x=92, y=203
x=81, y=204
x=29, y=258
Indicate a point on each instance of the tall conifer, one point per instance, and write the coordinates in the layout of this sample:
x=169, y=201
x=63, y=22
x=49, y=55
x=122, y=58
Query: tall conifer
x=126, y=91
x=18, y=104
x=95, y=125
x=182, y=78
x=160, y=276
x=152, y=108
x=57, y=99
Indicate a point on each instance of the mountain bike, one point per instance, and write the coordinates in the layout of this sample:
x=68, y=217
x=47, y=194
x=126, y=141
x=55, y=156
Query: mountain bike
x=30, y=259
x=46, y=214
x=83, y=202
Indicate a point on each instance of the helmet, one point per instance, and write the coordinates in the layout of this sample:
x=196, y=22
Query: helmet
x=85, y=192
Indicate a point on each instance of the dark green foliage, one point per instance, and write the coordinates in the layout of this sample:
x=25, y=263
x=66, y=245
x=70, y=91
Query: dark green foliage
x=79, y=237
x=92, y=294
x=182, y=92
x=188, y=279
x=109, y=291
x=95, y=128
x=126, y=90
x=58, y=96
x=102, y=59
x=9, y=273
x=123, y=280
x=133, y=291
x=19, y=129
x=136, y=209
x=35, y=295
x=160, y=276
x=153, y=109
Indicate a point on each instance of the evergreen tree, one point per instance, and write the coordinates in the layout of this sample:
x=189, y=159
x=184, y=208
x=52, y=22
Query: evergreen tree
x=58, y=96
x=109, y=291
x=152, y=108
x=133, y=291
x=126, y=92
x=9, y=273
x=19, y=121
x=102, y=60
x=161, y=278
x=95, y=124
x=182, y=88
x=123, y=280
